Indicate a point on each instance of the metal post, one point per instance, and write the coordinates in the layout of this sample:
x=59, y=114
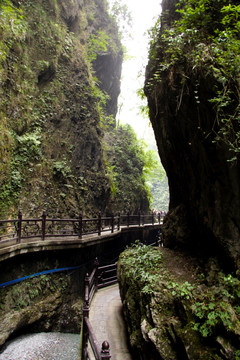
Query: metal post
x=159, y=217
x=139, y=218
x=80, y=224
x=128, y=218
x=105, y=353
x=99, y=223
x=152, y=218
x=112, y=223
x=44, y=215
x=143, y=219
x=19, y=227
x=96, y=264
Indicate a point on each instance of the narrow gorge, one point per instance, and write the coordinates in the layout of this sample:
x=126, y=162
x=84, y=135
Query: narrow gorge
x=181, y=301
x=62, y=151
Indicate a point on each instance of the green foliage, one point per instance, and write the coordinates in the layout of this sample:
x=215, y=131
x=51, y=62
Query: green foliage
x=28, y=292
x=61, y=170
x=122, y=16
x=28, y=147
x=26, y=153
x=156, y=178
x=129, y=165
x=142, y=265
x=182, y=290
x=218, y=305
x=160, y=193
x=205, y=40
x=101, y=98
x=208, y=307
x=97, y=44
x=32, y=39
x=13, y=27
x=212, y=314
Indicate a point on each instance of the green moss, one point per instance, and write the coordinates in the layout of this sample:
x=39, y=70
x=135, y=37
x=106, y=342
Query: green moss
x=47, y=95
x=28, y=292
x=182, y=311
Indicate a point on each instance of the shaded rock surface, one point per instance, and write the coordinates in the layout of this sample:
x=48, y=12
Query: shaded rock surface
x=203, y=184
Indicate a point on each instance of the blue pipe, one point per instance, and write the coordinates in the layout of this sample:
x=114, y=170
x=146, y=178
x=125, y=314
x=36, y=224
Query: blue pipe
x=8, y=283
x=12, y=282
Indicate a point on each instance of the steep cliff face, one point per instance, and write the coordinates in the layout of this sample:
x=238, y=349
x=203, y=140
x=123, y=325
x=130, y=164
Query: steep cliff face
x=51, y=137
x=186, y=81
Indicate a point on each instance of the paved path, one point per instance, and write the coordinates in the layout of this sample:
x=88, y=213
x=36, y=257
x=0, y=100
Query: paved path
x=107, y=321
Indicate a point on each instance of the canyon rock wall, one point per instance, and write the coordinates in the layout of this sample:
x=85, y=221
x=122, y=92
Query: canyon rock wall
x=51, y=137
x=204, y=185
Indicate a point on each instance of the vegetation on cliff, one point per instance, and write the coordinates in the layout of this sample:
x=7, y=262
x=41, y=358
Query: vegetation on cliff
x=48, y=109
x=45, y=303
x=60, y=71
x=184, y=304
x=205, y=39
x=176, y=308
x=192, y=86
x=129, y=165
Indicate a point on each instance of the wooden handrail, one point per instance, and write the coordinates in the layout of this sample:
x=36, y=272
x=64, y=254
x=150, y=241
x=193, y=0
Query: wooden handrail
x=91, y=286
x=98, y=279
x=44, y=227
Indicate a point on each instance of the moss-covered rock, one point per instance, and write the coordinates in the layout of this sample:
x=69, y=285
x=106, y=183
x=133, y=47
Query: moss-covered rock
x=172, y=312
x=43, y=303
x=51, y=139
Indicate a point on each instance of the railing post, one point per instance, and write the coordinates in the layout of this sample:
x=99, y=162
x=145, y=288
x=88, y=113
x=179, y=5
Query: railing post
x=128, y=219
x=159, y=217
x=19, y=227
x=119, y=221
x=96, y=264
x=99, y=223
x=44, y=216
x=112, y=223
x=80, y=224
x=152, y=218
x=105, y=353
x=86, y=298
x=143, y=219
x=139, y=218
x=85, y=314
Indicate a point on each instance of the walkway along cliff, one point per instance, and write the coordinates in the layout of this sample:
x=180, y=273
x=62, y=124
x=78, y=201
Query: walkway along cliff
x=49, y=294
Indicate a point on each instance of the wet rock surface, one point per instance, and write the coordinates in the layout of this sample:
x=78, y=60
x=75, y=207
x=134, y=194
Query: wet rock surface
x=50, y=346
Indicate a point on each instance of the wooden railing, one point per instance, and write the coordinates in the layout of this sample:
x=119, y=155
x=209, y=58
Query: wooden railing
x=42, y=228
x=99, y=277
